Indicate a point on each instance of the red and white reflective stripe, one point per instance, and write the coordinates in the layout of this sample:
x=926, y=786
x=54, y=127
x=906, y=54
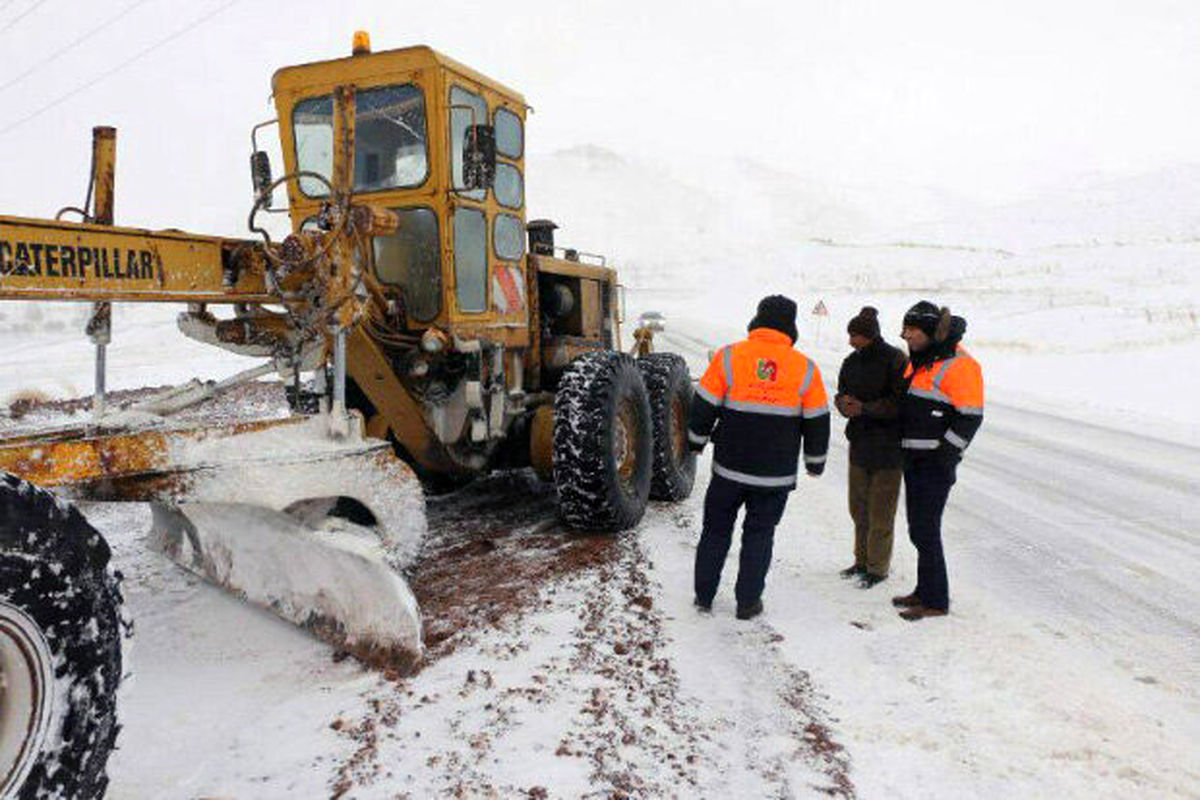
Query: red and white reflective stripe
x=508, y=289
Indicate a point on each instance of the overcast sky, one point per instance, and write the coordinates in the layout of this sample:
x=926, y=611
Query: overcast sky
x=987, y=99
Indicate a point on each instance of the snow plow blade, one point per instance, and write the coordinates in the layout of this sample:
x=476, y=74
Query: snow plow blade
x=336, y=583
x=317, y=529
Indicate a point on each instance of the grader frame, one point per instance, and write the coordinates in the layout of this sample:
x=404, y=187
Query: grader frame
x=431, y=332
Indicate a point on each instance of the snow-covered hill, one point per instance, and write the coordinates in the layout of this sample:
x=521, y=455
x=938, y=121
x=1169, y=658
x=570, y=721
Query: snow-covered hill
x=1159, y=206
x=1065, y=294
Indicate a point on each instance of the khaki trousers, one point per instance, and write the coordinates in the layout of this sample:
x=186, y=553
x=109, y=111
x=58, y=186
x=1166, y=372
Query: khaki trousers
x=873, y=495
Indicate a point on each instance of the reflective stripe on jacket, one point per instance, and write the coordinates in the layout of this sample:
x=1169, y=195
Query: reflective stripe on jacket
x=944, y=405
x=766, y=400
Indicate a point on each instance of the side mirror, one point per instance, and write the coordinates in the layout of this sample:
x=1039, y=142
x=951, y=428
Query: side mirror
x=260, y=176
x=479, y=157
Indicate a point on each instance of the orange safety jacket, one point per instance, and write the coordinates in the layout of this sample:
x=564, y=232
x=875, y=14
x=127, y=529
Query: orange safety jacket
x=943, y=407
x=765, y=399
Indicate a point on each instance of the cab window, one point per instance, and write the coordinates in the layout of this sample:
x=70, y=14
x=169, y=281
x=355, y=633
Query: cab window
x=508, y=237
x=389, y=138
x=470, y=259
x=466, y=109
x=510, y=140
x=390, y=148
x=411, y=259
x=312, y=129
x=509, y=188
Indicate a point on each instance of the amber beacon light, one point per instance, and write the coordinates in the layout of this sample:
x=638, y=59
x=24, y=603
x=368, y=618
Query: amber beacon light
x=362, y=43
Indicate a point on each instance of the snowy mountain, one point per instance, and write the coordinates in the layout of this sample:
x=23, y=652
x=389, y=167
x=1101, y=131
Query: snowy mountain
x=1045, y=290
x=1092, y=209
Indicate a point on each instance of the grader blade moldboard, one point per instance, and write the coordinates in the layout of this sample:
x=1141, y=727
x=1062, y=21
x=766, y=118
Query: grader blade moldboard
x=317, y=529
x=334, y=581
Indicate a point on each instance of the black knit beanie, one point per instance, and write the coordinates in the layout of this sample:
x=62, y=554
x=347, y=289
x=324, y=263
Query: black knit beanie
x=865, y=324
x=924, y=316
x=777, y=313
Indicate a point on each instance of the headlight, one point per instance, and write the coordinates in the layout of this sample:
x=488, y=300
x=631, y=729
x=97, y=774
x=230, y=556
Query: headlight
x=434, y=341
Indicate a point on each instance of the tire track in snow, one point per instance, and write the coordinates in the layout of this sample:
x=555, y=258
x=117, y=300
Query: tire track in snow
x=578, y=684
x=767, y=733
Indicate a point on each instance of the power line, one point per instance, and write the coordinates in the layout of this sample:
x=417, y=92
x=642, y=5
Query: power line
x=136, y=56
x=22, y=15
x=68, y=48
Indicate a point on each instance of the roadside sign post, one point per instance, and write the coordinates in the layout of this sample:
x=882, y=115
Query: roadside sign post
x=819, y=311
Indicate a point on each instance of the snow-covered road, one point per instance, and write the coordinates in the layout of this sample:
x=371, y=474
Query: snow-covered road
x=1068, y=666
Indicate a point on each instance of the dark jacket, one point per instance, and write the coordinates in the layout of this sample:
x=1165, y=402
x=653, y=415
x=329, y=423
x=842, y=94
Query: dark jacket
x=763, y=403
x=875, y=375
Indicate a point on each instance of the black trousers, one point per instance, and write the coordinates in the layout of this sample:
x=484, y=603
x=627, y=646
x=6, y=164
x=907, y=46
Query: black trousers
x=764, y=508
x=927, y=483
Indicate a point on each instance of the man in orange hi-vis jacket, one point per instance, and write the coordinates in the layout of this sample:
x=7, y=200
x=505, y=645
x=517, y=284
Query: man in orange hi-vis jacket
x=765, y=400
x=938, y=418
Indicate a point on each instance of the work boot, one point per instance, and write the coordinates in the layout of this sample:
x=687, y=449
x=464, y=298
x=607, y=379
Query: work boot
x=870, y=579
x=751, y=611
x=919, y=612
x=853, y=571
x=906, y=600
x=703, y=606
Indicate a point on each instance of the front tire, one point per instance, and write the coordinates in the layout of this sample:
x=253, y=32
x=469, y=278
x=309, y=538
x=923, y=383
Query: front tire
x=670, y=388
x=603, y=443
x=58, y=601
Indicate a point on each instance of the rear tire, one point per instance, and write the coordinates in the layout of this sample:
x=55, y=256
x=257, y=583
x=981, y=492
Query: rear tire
x=58, y=599
x=603, y=443
x=670, y=388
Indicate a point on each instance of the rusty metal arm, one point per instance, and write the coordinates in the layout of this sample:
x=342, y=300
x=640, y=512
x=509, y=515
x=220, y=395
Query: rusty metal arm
x=59, y=260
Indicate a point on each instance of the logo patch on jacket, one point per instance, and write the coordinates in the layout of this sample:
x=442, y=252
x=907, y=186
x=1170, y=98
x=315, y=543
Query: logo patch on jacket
x=767, y=369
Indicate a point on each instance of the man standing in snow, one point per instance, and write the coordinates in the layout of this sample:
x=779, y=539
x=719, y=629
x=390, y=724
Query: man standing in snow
x=939, y=415
x=871, y=385
x=765, y=400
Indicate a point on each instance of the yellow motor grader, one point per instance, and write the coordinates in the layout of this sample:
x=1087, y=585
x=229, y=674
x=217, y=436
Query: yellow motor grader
x=425, y=330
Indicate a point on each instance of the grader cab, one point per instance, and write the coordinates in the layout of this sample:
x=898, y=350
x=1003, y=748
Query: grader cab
x=425, y=330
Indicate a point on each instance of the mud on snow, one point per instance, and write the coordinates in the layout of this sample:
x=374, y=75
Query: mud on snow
x=551, y=673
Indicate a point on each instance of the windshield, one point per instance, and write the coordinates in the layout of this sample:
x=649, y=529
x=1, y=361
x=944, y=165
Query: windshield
x=390, y=149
